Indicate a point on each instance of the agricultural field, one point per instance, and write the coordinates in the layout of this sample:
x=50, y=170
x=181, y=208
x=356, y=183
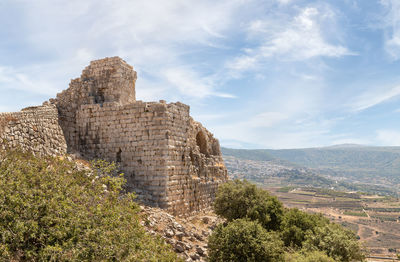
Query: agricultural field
x=375, y=219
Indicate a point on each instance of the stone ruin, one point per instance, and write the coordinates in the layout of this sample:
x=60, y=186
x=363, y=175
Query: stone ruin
x=169, y=159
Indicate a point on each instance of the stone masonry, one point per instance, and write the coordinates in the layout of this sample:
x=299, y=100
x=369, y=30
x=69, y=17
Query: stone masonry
x=34, y=129
x=169, y=159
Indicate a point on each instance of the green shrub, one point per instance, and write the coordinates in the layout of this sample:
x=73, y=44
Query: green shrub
x=50, y=211
x=338, y=243
x=357, y=214
x=243, y=240
x=250, y=211
x=296, y=224
x=314, y=256
x=240, y=199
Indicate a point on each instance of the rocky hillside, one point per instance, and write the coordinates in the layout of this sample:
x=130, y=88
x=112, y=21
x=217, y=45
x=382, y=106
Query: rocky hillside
x=188, y=236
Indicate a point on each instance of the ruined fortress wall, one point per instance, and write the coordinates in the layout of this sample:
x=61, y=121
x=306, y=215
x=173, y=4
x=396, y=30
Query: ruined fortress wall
x=158, y=147
x=196, y=166
x=170, y=160
x=134, y=136
x=103, y=81
x=34, y=129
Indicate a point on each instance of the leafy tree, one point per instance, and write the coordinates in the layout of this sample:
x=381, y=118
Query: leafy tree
x=338, y=242
x=295, y=225
x=314, y=256
x=51, y=211
x=247, y=209
x=244, y=240
x=240, y=199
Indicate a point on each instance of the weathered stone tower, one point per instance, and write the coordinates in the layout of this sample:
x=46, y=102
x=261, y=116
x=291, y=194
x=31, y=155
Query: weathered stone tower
x=170, y=160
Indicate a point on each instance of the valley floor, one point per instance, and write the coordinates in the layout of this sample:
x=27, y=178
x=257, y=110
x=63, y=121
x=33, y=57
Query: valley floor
x=375, y=219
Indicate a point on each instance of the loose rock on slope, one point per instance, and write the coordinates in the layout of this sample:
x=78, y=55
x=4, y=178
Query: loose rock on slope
x=188, y=236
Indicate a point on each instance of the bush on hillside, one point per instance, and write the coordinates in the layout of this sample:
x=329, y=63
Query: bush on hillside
x=240, y=199
x=338, y=242
x=50, y=211
x=244, y=241
x=313, y=256
x=307, y=237
x=296, y=224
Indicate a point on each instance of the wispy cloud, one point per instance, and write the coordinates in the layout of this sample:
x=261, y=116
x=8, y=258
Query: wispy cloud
x=189, y=83
x=373, y=97
x=388, y=137
x=16, y=80
x=286, y=62
x=285, y=2
x=209, y=117
x=301, y=38
x=392, y=24
x=266, y=119
x=154, y=36
x=278, y=130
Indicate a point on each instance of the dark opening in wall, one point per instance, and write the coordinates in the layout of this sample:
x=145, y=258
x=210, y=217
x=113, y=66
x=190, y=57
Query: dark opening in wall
x=99, y=97
x=118, y=158
x=191, y=157
x=201, y=142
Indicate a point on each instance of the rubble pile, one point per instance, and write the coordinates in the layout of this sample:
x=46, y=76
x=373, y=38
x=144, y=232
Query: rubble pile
x=187, y=235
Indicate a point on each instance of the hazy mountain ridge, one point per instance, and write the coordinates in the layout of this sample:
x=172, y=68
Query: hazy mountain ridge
x=379, y=167
x=271, y=172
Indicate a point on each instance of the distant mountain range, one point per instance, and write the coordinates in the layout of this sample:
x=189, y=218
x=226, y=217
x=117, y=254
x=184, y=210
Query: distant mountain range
x=378, y=166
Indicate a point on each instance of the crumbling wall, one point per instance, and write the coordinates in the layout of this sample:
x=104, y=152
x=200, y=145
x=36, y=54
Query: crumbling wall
x=196, y=167
x=135, y=136
x=34, y=129
x=170, y=160
x=157, y=147
x=103, y=81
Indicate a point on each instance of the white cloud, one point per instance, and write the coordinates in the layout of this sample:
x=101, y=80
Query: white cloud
x=151, y=35
x=189, y=83
x=179, y=48
x=301, y=38
x=266, y=119
x=173, y=21
x=285, y=2
x=244, y=62
x=277, y=130
x=388, y=137
x=392, y=25
x=209, y=117
x=374, y=97
x=276, y=136
x=16, y=80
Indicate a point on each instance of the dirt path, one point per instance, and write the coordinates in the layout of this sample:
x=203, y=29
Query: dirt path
x=366, y=213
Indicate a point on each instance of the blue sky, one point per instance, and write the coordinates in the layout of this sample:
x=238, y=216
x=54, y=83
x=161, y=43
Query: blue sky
x=258, y=74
